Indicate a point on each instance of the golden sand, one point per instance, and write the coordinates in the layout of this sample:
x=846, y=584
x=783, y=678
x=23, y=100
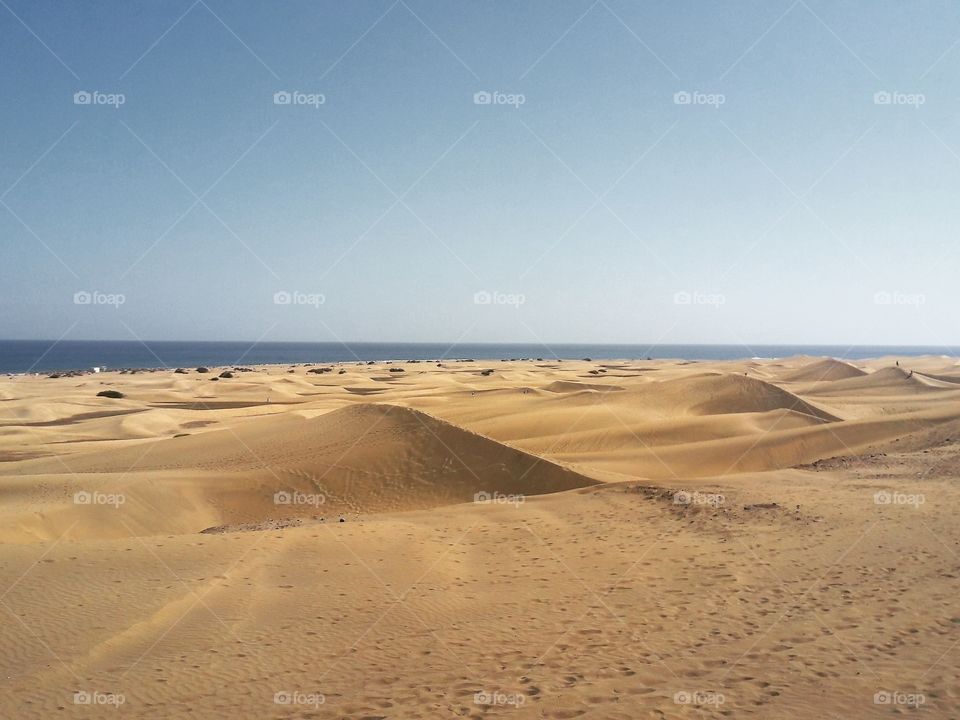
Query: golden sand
x=767, y=538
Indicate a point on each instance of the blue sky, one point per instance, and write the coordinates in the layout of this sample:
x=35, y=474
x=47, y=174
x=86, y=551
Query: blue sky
x=787, y=202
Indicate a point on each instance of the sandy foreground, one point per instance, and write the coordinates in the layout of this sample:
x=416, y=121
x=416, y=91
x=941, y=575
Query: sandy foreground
x=766, y=538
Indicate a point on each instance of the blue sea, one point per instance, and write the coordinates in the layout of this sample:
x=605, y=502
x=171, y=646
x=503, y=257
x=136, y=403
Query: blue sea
x=21, y=356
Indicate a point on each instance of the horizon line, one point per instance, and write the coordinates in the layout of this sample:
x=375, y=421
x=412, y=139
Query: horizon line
x=347, y=343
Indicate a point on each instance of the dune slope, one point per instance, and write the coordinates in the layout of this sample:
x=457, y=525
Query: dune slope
x=825, y=370
x=362, y=459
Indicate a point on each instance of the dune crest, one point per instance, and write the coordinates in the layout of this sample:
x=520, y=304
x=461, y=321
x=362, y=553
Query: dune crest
x=726, y=394
x=888, y=380
x=570, y=386
x=825, y=370
x=356, y=460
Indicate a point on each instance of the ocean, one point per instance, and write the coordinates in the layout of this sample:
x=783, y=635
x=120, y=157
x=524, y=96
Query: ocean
x=21, y=356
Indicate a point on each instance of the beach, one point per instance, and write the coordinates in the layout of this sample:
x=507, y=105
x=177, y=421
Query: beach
x=770, y=538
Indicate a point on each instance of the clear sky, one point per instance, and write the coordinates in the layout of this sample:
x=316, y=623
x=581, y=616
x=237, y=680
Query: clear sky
x=776, y=199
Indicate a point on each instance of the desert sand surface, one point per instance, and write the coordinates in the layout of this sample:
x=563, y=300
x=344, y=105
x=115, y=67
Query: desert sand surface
x=524, y=539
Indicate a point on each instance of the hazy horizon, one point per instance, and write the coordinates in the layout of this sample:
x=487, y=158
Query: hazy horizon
x=572, y=173
x=520, y=343
x=38, y=356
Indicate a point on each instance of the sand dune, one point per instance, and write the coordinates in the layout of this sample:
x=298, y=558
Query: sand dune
x=952, y=379
x=890, y=380
x=825, y=370
x=716, y=394
x=566, y=386
x=360, y=459
x=764, y=538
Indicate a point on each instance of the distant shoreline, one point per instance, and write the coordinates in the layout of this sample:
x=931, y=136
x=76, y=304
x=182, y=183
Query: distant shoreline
x=215, y=368
x=28, y=356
